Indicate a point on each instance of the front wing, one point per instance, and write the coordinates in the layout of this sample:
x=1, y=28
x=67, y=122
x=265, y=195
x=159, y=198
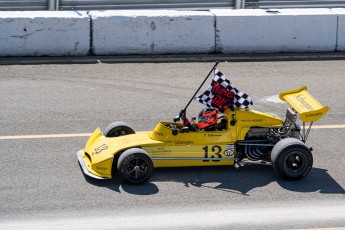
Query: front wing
x=86, y=169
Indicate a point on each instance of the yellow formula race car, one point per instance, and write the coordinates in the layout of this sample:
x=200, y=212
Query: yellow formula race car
x=240, y=136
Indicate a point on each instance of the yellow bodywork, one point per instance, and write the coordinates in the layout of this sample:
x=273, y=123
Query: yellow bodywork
x=307, y=106
x=194, y=148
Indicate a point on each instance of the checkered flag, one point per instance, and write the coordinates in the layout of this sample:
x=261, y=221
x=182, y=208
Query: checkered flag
x=222, y=94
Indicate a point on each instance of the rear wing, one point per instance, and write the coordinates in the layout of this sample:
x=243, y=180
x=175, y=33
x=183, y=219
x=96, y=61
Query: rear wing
x=302, y=102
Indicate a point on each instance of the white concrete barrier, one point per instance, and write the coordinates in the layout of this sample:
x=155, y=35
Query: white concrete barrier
x=282, y=30
x=152, y=32
x=123, y=32
x=41, y=33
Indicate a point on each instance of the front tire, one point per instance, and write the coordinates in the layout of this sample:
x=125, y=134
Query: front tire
x=135, y=166
x=291, y=158
x=118, y=128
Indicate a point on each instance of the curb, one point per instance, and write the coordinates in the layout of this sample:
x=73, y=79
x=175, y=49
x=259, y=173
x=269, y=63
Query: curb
x=174, y=58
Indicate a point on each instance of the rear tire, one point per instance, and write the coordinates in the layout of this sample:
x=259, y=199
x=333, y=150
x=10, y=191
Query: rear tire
x=291, y=158
x=135, y=166
x=118, y=128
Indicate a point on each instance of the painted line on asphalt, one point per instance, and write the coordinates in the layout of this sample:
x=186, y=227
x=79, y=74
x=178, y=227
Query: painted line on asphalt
x=16, y=137
x=44, y=136
x=328, y=127
x=336, y=228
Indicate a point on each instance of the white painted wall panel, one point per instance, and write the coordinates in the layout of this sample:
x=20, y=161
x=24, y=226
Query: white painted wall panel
x=40, y=33
x=283, y=30
x=152, y=32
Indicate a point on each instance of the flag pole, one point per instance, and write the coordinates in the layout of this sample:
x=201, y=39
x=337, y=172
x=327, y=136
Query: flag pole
x=215, y=65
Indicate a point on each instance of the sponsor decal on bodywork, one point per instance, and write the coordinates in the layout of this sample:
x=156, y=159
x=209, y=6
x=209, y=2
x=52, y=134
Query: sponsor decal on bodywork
x=160, y=151
x=100, y=168
x=304, y=103
x=253, y=120
x=228, y=152
x=314, y=114
x=100, y=149
x=231, y=146
x=157, y=134
x=184, y=142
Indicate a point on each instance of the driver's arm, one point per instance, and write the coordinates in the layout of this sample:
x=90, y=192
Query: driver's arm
x=186, y=121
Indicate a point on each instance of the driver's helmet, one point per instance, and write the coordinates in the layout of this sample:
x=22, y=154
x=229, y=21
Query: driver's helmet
x=207, y=118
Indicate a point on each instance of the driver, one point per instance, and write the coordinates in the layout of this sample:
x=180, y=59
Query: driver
x=207, y=120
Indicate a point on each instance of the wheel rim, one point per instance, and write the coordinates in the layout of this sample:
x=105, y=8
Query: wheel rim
x=137, y=168
x=118, y=133
x=295, y=163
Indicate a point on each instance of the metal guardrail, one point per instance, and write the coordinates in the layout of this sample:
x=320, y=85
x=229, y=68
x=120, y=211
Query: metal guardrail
x=144, y=4
x=163, y=4
x=265, y=4
x=114, y=4
x=23, y=5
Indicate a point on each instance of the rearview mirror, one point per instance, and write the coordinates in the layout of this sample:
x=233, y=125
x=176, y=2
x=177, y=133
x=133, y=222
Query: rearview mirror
x=176, y=119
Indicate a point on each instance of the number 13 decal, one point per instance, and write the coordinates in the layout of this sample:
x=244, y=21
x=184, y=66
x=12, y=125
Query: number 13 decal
x=216, y=150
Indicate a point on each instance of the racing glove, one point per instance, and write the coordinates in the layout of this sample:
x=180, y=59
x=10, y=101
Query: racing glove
x=182, y=114
x=183, y=117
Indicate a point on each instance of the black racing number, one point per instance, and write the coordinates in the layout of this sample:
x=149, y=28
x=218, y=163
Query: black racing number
x=206, y=153
x=216, y=150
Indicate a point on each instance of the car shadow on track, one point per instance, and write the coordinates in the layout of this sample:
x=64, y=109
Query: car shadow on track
x=317, y=180
x=227, y=179
x=244, y=179
x=115, y=185
x=147, y=188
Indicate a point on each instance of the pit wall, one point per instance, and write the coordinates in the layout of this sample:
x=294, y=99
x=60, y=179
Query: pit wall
x=39, y=33
x=124, y=32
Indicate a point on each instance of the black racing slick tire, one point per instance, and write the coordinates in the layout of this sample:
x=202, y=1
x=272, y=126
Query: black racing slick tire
x=291, y=159
x=135, y=166
x=118, y=128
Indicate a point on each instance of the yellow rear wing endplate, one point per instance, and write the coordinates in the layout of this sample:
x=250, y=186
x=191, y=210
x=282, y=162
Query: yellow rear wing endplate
x=307, y=106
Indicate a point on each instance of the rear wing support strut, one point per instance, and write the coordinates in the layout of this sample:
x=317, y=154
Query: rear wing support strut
x=305, y=134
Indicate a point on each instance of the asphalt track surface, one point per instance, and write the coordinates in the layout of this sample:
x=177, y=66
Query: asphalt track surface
x=47, y=112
